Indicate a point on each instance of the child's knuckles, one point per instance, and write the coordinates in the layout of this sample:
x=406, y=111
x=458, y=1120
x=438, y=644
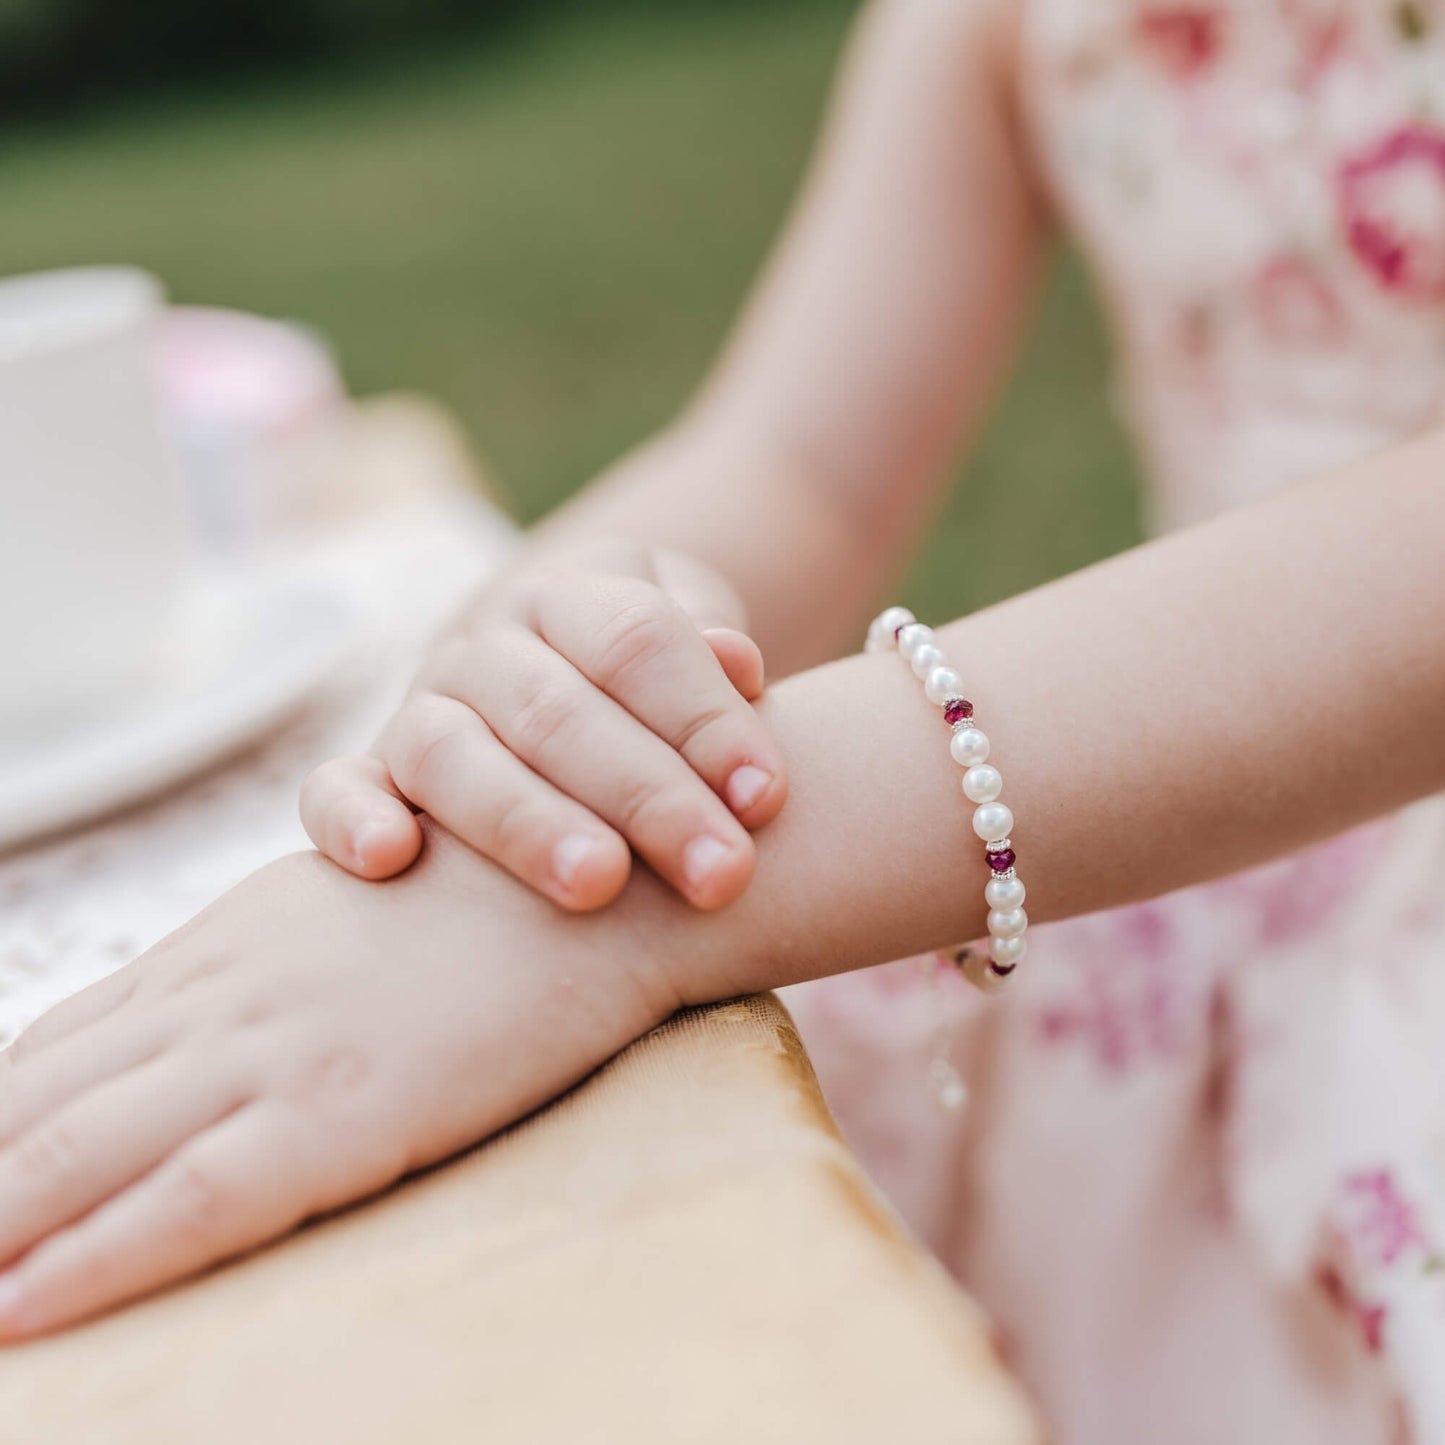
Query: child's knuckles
x=714, y=722
x=201, y=1204
x=650, y=808
x=426, y=761
x=637, y=635
x=335, y=1076
x=255, y=1010
x=548, y=708
x=187, y=972
x=517, y=829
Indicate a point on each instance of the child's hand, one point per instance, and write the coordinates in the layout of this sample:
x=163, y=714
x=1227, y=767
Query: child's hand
x=602, y=703
x=303, y=1042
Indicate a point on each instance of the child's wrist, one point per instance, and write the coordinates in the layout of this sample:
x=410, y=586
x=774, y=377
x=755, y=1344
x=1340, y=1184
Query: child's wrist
x=873, y=857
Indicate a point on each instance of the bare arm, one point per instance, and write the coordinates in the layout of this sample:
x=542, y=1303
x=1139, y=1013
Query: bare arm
x=807, y=465
x=1188, y=708
x=1197, y=705
x=1192, y=707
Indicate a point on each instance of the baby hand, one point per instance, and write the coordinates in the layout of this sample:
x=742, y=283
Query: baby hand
x=305, y=1041
x=599, y=703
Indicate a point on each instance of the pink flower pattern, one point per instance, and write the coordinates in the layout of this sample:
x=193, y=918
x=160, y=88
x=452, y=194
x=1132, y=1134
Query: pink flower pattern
x=1392, y=205
x=1383, y=1224
x=1129, y=1002
x=1381, y=197
x=1184, y=39
x=1375, y=1232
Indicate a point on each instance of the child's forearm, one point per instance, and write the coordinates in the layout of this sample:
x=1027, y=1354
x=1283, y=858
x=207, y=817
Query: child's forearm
x=1185, y=710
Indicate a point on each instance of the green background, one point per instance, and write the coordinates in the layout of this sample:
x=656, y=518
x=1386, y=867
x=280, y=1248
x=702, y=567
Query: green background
x=549, y=231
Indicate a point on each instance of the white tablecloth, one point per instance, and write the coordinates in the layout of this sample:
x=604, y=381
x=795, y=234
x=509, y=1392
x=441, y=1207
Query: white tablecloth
x=75, y=908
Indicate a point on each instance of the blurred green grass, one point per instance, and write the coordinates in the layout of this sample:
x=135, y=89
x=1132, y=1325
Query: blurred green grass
x=550, y=234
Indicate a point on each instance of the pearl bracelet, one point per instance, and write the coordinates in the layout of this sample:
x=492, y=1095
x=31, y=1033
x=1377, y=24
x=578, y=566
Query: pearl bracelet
x=1007, y=922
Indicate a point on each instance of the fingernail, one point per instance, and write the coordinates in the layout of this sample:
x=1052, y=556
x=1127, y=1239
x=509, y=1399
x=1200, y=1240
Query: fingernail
x=701, y=857
x=746, y=785
x=367, y=837
x=569, y=855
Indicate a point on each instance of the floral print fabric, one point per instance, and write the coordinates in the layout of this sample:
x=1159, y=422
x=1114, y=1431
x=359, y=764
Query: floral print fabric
x=1261, y=188
x=1200, y=1180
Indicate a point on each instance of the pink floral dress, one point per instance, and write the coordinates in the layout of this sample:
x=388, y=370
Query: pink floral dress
x=1200, y=1178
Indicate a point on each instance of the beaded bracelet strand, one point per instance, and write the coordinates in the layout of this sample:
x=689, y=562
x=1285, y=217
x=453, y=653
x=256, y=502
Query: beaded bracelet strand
x=897, y=629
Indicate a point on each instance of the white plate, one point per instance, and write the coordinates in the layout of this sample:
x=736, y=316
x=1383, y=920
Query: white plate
x=246, y=653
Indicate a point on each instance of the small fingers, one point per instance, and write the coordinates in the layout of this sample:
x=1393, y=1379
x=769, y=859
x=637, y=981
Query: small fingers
x=593, y=749
x=237, y=1185
x=71, y=1160
x=354, y=814
x=631, y=640
x=453, y=767
x=74, y=1013
x=571, y=733
x=39, y=1084
x=740, y=657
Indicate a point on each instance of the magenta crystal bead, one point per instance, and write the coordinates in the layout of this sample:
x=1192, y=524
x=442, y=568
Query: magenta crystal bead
x=1001, y=861
x=957, y=710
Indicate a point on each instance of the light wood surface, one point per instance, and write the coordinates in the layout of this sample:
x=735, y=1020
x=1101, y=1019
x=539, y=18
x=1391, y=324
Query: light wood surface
x=681, y=1250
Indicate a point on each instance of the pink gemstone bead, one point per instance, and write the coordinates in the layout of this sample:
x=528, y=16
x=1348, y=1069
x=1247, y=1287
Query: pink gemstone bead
x=1002, y=861
x=957, y=710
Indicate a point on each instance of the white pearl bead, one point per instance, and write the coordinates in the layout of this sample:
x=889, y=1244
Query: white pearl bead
x=968, y=746
x=926, y=659
x=1005, y=892
x=912, y=638
x=887, y=623
x=1007, y=922
x=1007, y=950
x=941, y=684
x=993, y=820
x=982, y=784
